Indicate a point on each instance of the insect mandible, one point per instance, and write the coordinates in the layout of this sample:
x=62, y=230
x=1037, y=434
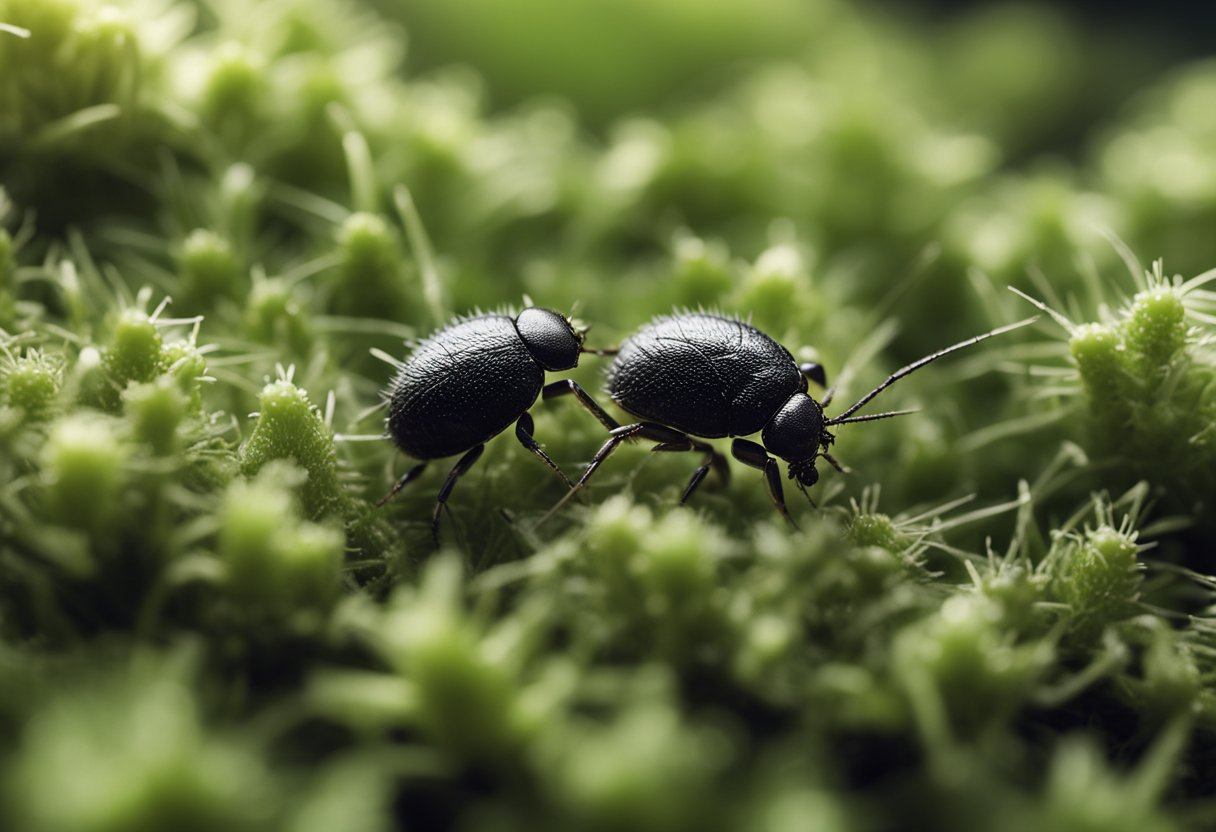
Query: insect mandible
x=703, y=375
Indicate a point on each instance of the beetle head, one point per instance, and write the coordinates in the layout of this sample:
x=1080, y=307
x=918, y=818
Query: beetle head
x=549, y=336
x=796, y=433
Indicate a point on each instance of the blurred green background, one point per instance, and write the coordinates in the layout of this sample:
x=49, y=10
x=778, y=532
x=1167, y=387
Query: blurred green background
x=217, y=217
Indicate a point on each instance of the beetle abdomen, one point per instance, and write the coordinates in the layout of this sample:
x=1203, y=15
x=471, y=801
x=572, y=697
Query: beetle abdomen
x=462, y=386
x=703, y=374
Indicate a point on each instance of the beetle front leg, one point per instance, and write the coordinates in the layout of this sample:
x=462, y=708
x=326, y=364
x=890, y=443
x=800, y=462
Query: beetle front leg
x=569, y=387
x=461, y=468
x=749, y=453
x=523, y=432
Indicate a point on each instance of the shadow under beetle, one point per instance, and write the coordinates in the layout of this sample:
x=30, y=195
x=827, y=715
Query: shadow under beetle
x=468, y=382
x=702, y=375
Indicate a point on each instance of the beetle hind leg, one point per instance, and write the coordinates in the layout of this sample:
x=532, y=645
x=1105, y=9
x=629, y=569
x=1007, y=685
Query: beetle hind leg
x=461, y=468
x=406, y=478
x=712, y=460
x=639, y=430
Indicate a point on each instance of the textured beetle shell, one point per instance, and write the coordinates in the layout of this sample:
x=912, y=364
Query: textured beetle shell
x=703, y=374
x=462, y=386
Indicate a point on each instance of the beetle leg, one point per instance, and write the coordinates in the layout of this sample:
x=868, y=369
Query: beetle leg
x=844, y=469
x=712, y=459
x=694, y=482
x=814, y=372
x=461, y=468
x=406, y=478
x=523, y=432
x=638, y=430
x=805, y=493
x=567, y=387
x=749, y=453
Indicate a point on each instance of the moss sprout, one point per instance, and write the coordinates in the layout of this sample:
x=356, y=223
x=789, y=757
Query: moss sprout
x=289, y=427
x=30, y=383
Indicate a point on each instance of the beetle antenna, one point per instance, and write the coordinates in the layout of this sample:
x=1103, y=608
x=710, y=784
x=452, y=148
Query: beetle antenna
x=871, y=418
x=916, y=365
x=599, y=350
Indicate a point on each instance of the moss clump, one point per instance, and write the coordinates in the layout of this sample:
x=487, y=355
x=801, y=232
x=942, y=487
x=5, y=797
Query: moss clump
x=1146, y=377
x=86, y=461
x=290, y=428
x=1098, y=577
x=132, y=750
x=30, y=384
x=277, y=562
x=210, y=270
x=370, y=281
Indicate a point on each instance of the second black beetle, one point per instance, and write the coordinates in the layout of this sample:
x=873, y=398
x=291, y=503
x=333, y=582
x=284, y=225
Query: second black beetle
x=468, y=382
x=702, y=375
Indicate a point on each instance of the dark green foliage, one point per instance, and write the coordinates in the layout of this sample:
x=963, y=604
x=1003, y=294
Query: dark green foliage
x=216, y=216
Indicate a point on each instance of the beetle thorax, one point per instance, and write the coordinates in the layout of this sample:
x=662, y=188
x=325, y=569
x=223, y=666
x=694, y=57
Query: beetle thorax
x=549, y=337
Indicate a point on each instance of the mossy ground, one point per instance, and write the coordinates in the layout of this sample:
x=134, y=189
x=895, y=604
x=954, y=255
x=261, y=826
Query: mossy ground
x=215, y=216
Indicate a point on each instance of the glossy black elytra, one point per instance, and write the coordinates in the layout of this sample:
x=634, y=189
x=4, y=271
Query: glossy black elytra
x=468, y=382
x=702, y=375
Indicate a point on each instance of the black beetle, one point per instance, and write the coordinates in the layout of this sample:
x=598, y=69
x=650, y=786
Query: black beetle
x=703, y=375
x=468, y=382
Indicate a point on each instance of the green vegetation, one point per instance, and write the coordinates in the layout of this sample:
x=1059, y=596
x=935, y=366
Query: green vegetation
x=215, y=215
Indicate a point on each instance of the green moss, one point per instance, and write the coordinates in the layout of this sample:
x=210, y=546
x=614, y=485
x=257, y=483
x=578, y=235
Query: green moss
x=289, y=428
x=80, y=54
x=645, y=770
x=962, y=674
x=278, y=562
x=156, y=410
x=30, y=383
x=875, y=530
x=370, y=281
x=85, y=463
x=207, y=621
x=1156, y=329
x=1083, y=793
x=6, y=254
x=134, y=350
x=233, y=99
x=1098, y=577
x=132, y=752
x=1145, y=376
x=701, y=272
x=210, y=270
x=1105, y=368
x=275, y=314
